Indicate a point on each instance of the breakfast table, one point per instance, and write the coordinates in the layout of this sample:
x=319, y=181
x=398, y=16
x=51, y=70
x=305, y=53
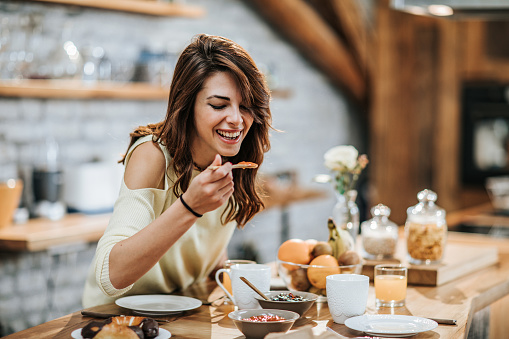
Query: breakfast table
x=459, y=299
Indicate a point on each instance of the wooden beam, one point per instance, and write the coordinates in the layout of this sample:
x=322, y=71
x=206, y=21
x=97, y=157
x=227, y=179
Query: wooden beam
x=309, y=33
x=356, y=31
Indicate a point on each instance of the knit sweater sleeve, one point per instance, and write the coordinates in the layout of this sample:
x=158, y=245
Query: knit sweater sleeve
x=133, y=210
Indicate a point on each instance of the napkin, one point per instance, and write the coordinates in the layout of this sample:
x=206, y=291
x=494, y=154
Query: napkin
x=305, y=333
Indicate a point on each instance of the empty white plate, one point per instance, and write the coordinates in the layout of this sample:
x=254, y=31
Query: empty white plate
x=386, y=325
x=158, y=304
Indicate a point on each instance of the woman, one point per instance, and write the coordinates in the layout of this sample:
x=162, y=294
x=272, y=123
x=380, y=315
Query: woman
x=174, y=215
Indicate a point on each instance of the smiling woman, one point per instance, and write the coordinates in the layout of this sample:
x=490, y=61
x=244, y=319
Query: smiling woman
x=177, y=207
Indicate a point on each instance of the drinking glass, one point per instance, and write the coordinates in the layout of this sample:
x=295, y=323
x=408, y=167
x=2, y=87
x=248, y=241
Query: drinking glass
x=390, y=285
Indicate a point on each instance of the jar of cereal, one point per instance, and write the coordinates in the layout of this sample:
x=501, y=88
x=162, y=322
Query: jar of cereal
x=379, y=234
x=425, y=230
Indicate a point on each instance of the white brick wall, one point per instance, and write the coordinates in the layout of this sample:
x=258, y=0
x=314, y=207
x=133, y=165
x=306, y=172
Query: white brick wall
x=315, y=117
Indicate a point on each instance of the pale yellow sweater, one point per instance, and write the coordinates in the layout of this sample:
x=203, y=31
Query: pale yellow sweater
x=189, y=260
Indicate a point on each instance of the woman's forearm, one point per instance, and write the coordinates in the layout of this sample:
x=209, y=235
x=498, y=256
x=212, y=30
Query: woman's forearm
x=131, y=258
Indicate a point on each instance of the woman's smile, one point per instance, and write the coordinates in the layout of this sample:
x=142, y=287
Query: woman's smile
x=230, y=136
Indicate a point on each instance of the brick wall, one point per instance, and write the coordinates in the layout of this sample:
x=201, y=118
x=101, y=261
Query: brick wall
x=314, y=118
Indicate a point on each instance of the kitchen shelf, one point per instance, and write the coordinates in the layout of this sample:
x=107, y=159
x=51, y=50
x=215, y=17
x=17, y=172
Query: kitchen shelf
x=150, y=7
x=76, y=89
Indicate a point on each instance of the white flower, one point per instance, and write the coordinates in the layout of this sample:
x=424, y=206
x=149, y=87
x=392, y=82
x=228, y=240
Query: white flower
x=341, y=158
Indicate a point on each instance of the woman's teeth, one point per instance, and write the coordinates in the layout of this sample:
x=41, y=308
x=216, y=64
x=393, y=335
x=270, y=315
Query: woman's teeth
x=229, y=135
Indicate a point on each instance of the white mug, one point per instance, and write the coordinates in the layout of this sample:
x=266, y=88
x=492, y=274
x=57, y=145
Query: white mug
x=347, y=295
x=243, y=296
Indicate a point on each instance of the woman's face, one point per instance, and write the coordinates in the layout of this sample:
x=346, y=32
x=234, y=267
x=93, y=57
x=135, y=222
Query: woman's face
x=220, y=118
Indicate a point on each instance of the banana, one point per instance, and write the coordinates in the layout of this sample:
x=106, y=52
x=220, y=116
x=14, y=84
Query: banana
x=340, y=240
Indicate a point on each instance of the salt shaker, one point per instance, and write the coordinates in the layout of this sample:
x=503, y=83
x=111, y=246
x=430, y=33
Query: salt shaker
x=379, y=234
x=425, y=230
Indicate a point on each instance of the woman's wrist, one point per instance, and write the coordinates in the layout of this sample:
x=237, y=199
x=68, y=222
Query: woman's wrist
x=196, y=214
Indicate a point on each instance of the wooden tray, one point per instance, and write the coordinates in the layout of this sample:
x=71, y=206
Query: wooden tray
x=458, y=261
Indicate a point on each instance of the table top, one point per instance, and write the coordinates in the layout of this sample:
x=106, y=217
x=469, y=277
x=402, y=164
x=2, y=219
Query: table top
x=458, y=299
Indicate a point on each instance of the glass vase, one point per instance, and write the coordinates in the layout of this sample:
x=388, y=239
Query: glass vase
x=346, y=213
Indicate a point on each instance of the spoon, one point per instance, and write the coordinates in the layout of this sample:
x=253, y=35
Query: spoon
x=254, y=288
x=242, y=164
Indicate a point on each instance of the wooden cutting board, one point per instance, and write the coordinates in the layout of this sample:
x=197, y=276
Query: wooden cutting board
x=458, y=261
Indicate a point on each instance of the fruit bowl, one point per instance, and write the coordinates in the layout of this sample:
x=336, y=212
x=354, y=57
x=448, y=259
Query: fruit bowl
x=311, y=278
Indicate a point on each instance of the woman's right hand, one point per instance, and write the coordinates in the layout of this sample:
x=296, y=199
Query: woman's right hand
x=210, y=189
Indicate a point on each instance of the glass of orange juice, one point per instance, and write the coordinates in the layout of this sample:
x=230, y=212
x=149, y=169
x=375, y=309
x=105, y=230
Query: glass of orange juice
x=227, y=264
x=390, y=285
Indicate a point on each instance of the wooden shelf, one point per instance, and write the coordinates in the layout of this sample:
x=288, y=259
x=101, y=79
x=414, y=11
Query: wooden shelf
x=150, y=7
x=75, y=89
x=40, y=234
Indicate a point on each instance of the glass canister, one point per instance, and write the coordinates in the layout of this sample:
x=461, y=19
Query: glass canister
x=379, y=234
x=425, y=230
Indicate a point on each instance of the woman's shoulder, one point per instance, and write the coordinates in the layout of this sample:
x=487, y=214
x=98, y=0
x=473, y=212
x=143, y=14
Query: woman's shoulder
x=146, y=166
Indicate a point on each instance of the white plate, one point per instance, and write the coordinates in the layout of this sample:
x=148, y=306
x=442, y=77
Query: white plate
x=158, y=304
x=163, y=334
x=386, y=325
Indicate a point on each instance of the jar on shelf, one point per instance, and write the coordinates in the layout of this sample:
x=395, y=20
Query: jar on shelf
x=425, y=230
x=379, y=235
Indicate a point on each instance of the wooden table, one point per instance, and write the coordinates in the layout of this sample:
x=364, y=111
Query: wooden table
x=458, y=299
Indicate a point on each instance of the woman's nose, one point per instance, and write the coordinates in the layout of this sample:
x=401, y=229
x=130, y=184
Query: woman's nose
x=234, y=117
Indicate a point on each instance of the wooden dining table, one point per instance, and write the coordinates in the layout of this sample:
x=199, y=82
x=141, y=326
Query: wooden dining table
x=459, y=299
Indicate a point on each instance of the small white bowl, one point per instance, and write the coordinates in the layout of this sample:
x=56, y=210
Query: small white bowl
x=258, y=329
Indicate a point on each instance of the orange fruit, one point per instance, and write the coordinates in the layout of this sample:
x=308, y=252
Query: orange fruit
x=295, y=251
x=328, y=266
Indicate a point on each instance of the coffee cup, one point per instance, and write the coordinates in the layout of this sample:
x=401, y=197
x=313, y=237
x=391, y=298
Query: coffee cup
x=243, y=296
x=229, y=263
x=347, y=295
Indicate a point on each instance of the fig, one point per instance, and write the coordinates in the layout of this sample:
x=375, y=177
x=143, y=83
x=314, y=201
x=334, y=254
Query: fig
x=321, y=247
x=300, y=279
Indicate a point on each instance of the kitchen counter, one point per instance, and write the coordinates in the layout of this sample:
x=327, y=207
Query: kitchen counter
x=40, y=234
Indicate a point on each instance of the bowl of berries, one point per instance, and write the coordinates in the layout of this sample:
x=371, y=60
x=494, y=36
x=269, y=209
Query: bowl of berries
x=257, y=323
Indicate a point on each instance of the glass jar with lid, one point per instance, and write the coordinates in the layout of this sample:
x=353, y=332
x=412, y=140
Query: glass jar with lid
x=425, y=230
x=379, y=235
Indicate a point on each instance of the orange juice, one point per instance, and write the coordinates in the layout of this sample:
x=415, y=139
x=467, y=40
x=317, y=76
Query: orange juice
x=390, y=287
x=227, y=283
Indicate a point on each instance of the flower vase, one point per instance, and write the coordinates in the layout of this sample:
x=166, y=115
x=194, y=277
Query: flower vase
x=346, y=213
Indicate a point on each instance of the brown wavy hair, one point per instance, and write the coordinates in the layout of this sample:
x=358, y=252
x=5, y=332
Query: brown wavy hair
x=204, y=56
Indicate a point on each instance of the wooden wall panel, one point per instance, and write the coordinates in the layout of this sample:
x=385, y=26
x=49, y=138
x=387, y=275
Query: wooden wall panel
x=415, y=131
x=403, y=108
